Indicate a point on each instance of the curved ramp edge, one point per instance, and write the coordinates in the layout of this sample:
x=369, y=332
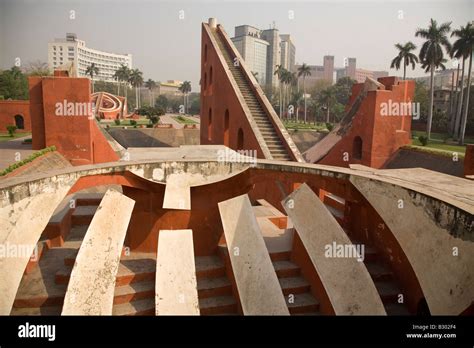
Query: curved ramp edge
x=346, y=280
x=91, y=288
x=22, y=223
x=257, y=283
x=176, y=284
x=442, y=263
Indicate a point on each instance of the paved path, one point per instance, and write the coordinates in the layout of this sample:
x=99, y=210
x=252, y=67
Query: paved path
x=168, y=119
x=8, y=150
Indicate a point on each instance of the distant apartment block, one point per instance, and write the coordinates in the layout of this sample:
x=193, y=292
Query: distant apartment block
x=71, y=50
x=169, y=88
x=319, y=72
x=263, y=50
x=360, y=75
x=444, y=78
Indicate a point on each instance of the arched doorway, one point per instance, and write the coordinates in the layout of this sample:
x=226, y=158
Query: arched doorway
x=19, y=122
x=226, y=128
x=240, y=139
x=357, y=148
x=209, y=126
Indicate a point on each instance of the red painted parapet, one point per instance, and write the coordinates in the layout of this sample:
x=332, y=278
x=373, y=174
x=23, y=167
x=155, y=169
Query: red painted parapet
x=377, y=123
x=62, y=116
x=469, y=160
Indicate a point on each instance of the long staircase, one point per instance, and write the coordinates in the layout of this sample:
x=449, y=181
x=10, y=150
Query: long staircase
x=265, y=126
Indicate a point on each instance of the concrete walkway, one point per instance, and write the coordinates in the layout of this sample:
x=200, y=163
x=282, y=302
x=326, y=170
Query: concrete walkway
x=10, y=148
x=169, y=119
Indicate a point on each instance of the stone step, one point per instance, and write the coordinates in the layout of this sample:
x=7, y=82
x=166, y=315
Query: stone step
x=214, y=287
x=294, y=285
x=379, y=271
x=134, y=291
x=209, y=267
x=89, y=199
x=83, y=214
x=138, y=307
x=388, y=291
x=396, y=309
x=130, y=271
x=286, y=269
x=280, y=256
x=217, y=305
x=47, y=310
x=302, y=303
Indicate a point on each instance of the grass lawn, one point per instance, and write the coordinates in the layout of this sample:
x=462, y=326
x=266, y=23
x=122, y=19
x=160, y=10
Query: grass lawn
x=303, y=126
x=7, y=137
x=183, y=120
x=441, y=142
x=126, y=123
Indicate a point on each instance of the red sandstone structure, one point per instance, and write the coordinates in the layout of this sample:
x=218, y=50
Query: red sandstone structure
x=62, y=116
x=183, y=231
x=15, y=113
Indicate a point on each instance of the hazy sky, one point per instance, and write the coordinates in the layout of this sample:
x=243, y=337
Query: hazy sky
x=166, y=47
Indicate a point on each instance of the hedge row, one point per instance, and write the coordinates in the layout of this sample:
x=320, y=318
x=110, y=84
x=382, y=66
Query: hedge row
x=29, y=159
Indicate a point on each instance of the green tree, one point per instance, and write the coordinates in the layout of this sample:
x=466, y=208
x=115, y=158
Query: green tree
x=304, y=70
x=462, y=48
x=431, y=56
x=343, y=89
x=279, y=70
x=13, y=84
x=421, y=97
x=92, y=70
x=150, y=84
x=162, y=102
x=122, y=75
x=327, y=98
x=404, y=57
x=136, y=80
x=37, y=68
x=185, y=88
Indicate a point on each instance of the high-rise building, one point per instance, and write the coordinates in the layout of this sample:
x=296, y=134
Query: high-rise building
x=71, y=50
x=253, y=50
x=273, y=54
x=288, y=52
x=251, y=43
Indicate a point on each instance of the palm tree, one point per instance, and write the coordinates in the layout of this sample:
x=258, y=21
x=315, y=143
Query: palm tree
x=117, y=78
x=304, y=70
x=405, y=56
x=462, y=48
x=92, y=70
x=150, y=84
x=327, y=97
x=123, y=75
x=279, y=72
x=136, y=79
x=431, y=56
x=185, y=88
x=286, y=79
